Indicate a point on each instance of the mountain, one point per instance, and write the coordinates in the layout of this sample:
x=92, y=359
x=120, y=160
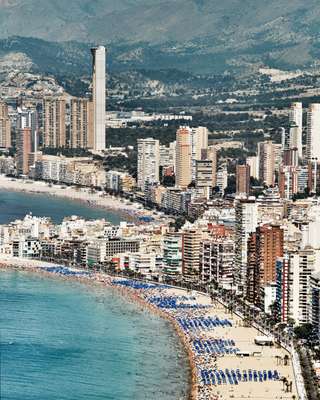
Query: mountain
x=200, y=36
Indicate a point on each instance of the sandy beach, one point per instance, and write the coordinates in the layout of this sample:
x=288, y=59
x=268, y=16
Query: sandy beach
x=225, y=361
x=131, y=211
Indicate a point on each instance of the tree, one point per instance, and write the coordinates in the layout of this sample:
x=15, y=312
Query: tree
x=168, y=180
x=304, y=331
x=179, y=222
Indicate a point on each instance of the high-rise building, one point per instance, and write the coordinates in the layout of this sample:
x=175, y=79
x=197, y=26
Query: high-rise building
x=264, y=247
x=204, y=173
x=5, y=126
x=313, y=132
x=216, y=260
x=314, y=303
x=212, y=155
x=242, y=179
x=253, y=163
x=282, y=291
x=290, y=157
x=99, y=96
x=54, y=122
x=81, y=124
x=295, y=139
x=191, y=239
x=246, y=223
x=293, y=180
x=222, y=178
x=148, y=162
x=23, y=150
x=183, y=158
x=29, y=118
x=168, y=155
x=199, y=146
x=303, y=265
x=285, y=138
x=295, y=118
x=267, y=153
x=172, y=256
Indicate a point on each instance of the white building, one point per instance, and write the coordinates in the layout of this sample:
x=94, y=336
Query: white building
x=199, y=144
x=148, y=162
x=253, y=163
x=302, y=266
x=295, y=118
x=269, y=154
x=168, y=155
x=222, y=178
x=313, y=132
x=314, y=303
x=99, y=96
x=172, y=254
x=246, y=223
x=216, y=261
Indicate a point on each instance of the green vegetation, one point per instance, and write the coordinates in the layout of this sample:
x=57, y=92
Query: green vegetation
x=304, y=331
x=66, y=152
x=128, y=136
x=122, y=163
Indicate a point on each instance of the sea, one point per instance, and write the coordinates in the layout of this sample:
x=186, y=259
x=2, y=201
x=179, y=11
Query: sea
x=64, y=340
x=15, y=205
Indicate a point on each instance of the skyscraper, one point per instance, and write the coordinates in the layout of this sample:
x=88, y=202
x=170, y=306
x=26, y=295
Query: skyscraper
x=295, y=138
x=212, y=155
x=23, y=146
x=54, y=122
x=28, y=118
x=242, y=179
x=246, y=223
x=191, y=239
x=313, y=132
x=148, y=162
x=253, y=163
x=295, y=118
x=199, y=146
x=81, y=124
x=264, y=247
x=183, y=158
x=267, y=162
x=99, y=96
x=5, y=127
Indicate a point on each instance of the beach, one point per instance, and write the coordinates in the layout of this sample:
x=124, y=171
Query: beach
x=225, y=361
x=131, y=211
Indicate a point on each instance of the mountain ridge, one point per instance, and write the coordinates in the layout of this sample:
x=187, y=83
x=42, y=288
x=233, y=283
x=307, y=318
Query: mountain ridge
x=199, y=36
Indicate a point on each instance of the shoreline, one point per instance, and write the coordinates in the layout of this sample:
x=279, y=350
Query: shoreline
x=129, y=211
x=143, y=294
x=127, y=294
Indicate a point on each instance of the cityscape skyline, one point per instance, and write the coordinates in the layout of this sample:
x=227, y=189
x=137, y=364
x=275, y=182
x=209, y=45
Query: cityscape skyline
x=217, y=190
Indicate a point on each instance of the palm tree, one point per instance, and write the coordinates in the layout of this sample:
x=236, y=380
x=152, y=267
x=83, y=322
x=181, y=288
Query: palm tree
x=286, y=360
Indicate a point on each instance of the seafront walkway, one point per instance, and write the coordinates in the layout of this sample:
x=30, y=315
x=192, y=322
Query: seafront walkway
x=226, y=361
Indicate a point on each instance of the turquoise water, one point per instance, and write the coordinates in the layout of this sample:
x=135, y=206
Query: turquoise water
x=62, y=340
x=14, y=205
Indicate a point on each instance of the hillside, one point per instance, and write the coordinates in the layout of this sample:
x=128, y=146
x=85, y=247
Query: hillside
x=202, y=36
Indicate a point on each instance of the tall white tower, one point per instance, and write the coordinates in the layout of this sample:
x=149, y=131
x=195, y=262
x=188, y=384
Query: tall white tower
x=313, y=132
x=295, y=117
x=148, y=162
x=246, y=223
x=99, y=96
